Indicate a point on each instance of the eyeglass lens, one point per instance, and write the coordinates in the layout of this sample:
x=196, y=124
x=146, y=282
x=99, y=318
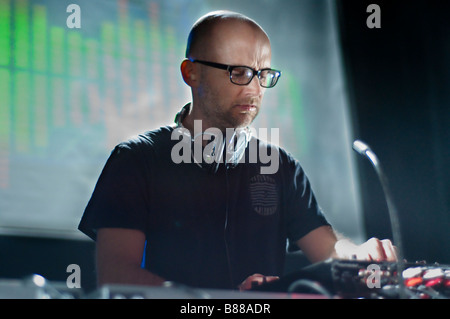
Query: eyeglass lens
x=243, y=76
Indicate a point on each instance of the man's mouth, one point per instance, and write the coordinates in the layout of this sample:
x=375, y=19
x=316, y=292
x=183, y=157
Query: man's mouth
x=246, y=108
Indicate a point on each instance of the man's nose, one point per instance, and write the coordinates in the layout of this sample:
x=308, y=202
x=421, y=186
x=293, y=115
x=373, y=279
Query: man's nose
x=254, y=87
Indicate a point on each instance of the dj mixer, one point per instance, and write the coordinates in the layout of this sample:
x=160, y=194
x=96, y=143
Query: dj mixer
x=364, y=279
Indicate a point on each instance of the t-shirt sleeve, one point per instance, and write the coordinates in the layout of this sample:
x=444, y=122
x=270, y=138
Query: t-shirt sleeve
x=304, y=212
x=119, y=198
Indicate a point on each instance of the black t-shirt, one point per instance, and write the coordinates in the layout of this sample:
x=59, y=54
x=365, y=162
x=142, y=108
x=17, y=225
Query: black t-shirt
x=202, y=229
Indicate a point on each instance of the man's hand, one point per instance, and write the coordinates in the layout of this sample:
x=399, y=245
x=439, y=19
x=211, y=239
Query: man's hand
x=323, y=243
x=372, y=250
x=256, y=279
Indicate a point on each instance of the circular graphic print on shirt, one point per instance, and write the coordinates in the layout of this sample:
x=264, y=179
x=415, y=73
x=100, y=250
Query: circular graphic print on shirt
x=263, y=194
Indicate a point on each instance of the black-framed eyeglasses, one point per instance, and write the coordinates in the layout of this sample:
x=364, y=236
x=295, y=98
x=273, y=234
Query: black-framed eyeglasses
x=243, y=75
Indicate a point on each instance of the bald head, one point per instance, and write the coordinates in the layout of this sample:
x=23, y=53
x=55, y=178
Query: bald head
x=228, y=39
x=211, y=32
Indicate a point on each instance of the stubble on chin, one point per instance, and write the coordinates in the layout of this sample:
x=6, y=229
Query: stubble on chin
x=222, y=116
x=231, y=119
x=244, y=119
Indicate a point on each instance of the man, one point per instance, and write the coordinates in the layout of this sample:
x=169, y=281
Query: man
x=155, y=220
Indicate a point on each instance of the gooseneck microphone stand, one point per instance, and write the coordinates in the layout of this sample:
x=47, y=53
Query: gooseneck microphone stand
x=363, y=149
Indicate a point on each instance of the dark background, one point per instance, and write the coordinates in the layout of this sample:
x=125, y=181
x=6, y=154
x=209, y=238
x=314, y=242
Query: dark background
x=398, y=81
x=399, y=90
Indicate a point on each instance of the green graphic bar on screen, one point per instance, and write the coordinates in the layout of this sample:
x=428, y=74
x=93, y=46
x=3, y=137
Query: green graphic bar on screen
x=5, y=32
x=140, y=40
x=58, y=102
x=109, y=48
x=39, y=116
x=5, y=107
x=22, y=31
x=294, y=91
x=124, y=33
x=142, y=50
x=155, y=44
x=92, y=60
x=127, y=56
x=57, y=51
x=75, y=54
x=21, y=112
x=109, y=61
x=155, y=39
x=155, y=31
x=108, y=35
x=5, y=125
x=39, y=32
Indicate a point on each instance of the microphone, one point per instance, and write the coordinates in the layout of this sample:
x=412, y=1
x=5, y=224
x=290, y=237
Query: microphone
x=360, y=147
x=364, y=150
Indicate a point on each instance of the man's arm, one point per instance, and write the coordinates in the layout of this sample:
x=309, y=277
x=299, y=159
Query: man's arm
x=119, y=257
x=318, y=244
x=323, y=243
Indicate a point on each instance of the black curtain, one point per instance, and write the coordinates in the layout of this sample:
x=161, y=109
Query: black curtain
x=399, y=89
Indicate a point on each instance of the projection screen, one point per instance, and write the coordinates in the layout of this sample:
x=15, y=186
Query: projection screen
x=69, y=93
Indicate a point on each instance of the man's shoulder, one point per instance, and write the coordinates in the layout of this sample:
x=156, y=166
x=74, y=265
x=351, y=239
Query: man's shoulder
x=148, y=139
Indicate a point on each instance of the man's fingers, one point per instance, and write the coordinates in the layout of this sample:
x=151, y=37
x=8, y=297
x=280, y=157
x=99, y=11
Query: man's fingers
x=378, y=250
x=256, y=279
x=389, y=250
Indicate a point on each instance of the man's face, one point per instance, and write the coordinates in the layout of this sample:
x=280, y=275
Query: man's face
x=223, y=104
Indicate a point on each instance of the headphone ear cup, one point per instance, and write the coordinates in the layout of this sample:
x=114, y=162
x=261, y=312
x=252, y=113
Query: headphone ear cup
x=181, y=115
x=230, y=152
x=237, y=146
x=216, y=157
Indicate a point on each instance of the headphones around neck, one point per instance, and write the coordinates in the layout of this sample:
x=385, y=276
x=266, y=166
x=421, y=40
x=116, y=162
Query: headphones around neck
x=222, y=149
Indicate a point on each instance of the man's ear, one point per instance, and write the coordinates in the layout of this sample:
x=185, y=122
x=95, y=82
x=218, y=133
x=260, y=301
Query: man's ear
x=188, y=71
